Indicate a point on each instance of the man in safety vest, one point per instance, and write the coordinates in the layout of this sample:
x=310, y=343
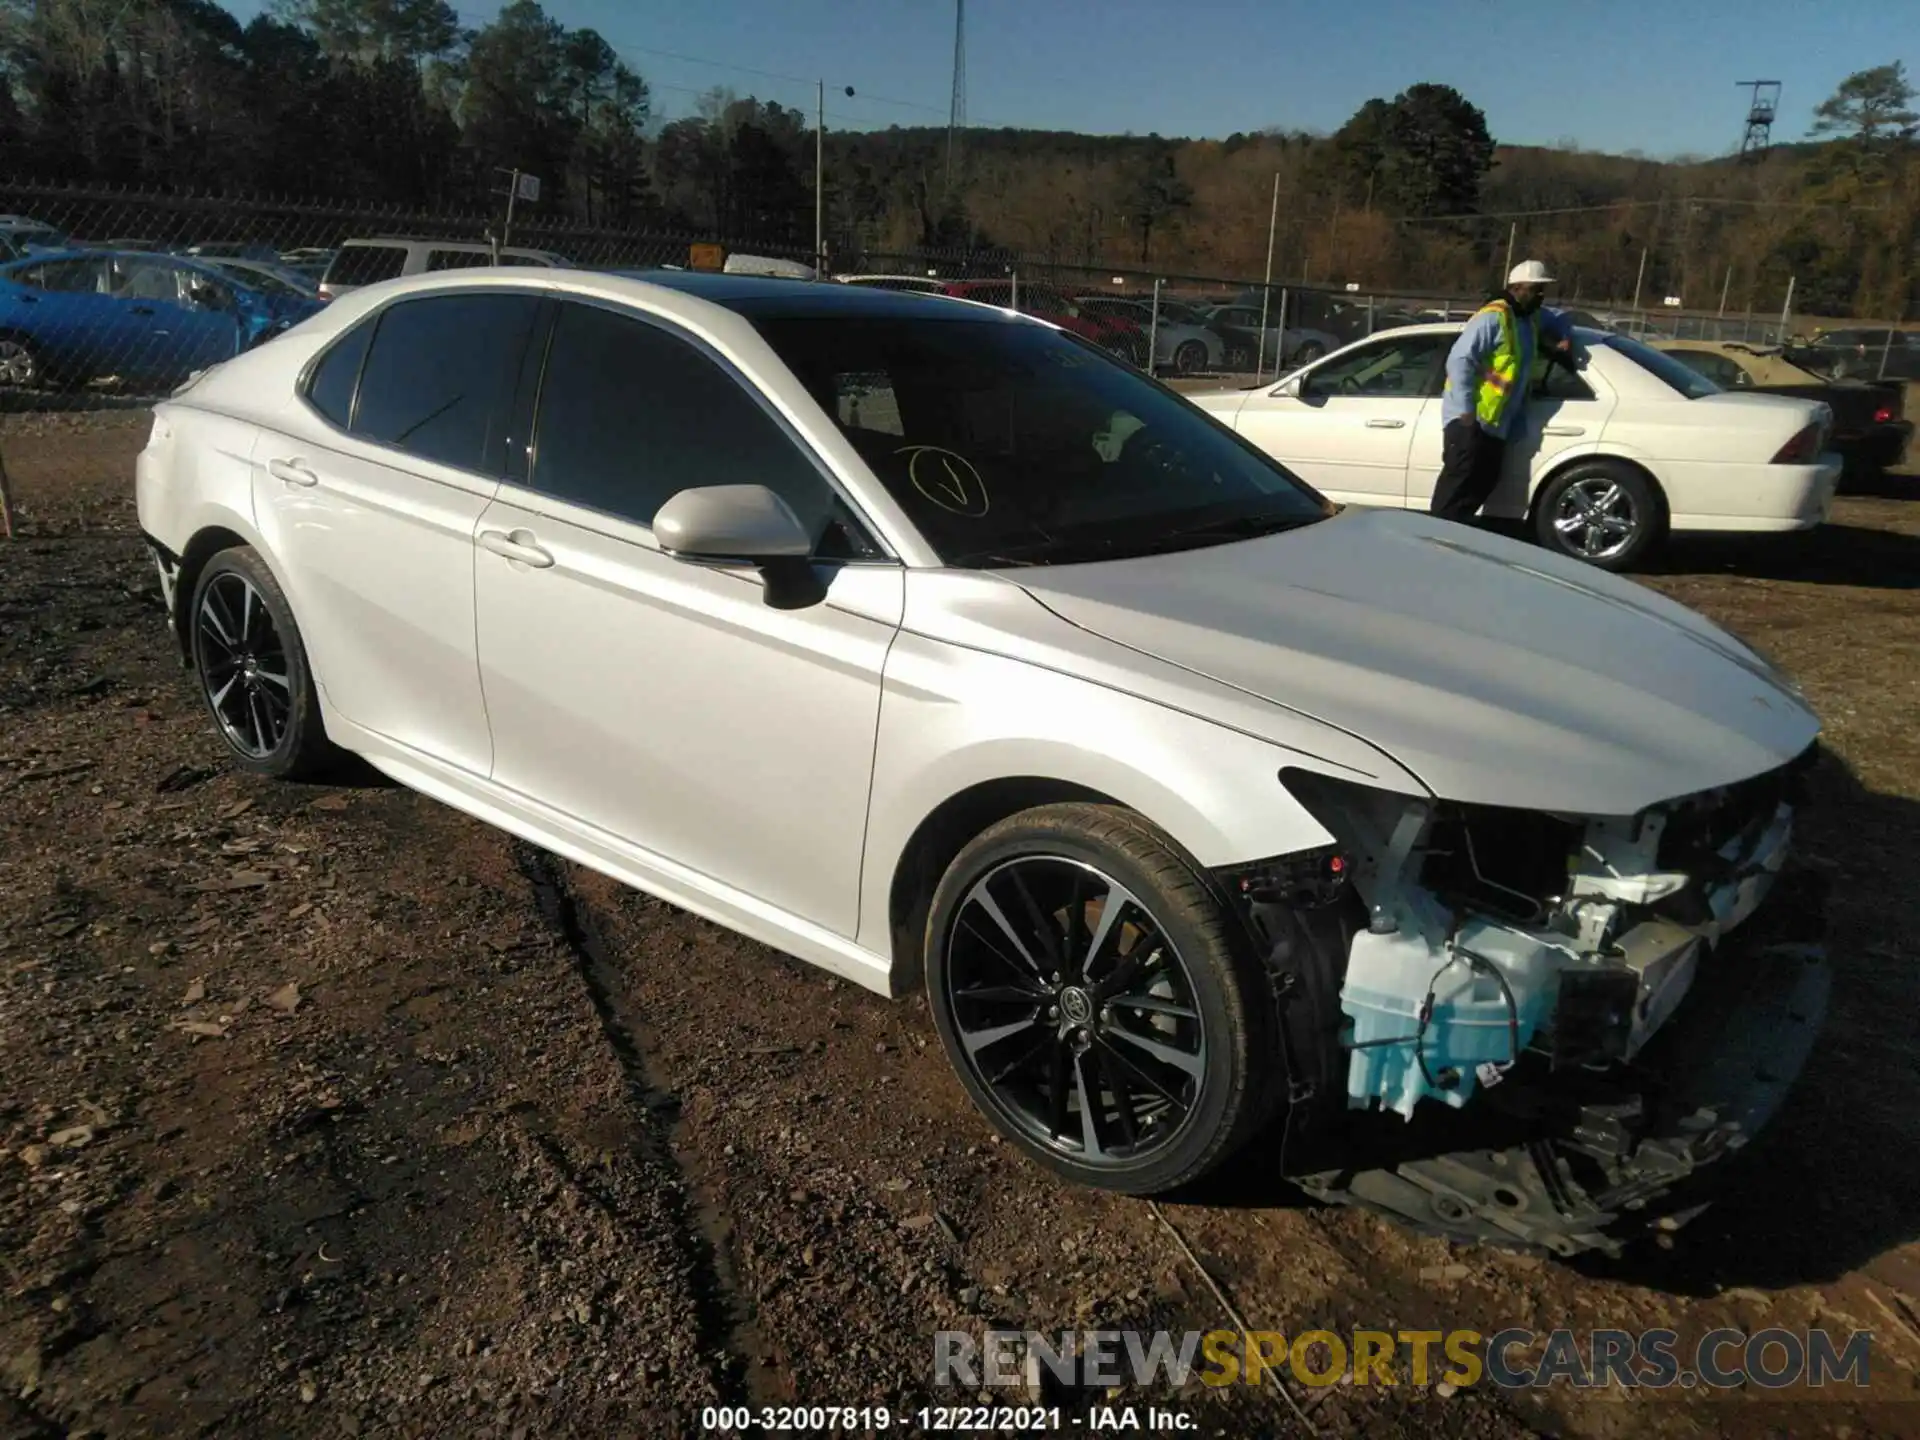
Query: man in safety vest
x=1488, y=371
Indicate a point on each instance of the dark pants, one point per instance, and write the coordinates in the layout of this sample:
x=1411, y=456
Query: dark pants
x=1469, y=469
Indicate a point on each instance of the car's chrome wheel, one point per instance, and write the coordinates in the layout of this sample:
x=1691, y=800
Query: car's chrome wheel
x=1190, y=356
x=19, y=365
x=1074, y=1010
x=243, y=665
x=1601, y=511
x=1597, y=518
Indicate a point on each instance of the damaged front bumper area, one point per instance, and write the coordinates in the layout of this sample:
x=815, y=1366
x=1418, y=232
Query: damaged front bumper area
x=1545, y=1024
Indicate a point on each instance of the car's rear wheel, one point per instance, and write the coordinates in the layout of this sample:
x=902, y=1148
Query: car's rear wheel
x=1189, y=356
x=1094, y=998
x=1604, y=513
x=253, y=668
x=1309, y=352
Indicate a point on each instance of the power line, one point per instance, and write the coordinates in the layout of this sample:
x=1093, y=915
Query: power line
x=1631, y=205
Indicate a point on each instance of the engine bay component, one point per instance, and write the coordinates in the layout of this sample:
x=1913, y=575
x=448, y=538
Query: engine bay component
x=1491, y=932
x=1577, y=980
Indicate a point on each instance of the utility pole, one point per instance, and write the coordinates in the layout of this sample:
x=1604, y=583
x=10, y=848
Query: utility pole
x=957, y=107
x=1638, y=280
x=1513, y=233
x=1273, y=224
x=820, y=179
x=1725, y=285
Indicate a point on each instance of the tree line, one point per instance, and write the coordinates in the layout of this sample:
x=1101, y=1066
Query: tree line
x=395, y=103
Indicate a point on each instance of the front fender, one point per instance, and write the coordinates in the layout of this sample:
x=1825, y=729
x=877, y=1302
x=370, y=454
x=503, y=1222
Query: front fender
x=953, y=718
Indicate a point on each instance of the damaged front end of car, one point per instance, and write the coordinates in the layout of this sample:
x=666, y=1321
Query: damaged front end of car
x=1530, y=1029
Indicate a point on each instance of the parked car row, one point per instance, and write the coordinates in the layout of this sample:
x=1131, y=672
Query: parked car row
x=148, y=317
x=70, y=317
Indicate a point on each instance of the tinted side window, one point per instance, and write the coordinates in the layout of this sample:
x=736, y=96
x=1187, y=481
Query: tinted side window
x=457, y=259
x=330, y=387
x=366, y=264
x=630, y=415
x=437, y=379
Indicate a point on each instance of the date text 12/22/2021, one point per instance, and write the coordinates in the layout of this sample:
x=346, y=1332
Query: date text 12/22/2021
x=942, y=1419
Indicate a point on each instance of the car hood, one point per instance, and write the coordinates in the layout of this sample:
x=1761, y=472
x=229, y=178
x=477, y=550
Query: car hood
x=1495, y=672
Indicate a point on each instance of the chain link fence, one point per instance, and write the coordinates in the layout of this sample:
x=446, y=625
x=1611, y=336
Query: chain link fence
x=114, y=297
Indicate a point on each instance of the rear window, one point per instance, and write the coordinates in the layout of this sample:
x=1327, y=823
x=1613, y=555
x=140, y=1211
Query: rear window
x=330, y=388
x=1664, y=367
x=366, y=264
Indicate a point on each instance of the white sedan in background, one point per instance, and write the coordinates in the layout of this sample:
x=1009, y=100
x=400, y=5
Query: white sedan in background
x=1606, y=462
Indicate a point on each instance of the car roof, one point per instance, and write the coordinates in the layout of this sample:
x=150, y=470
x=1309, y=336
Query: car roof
x=767, y=296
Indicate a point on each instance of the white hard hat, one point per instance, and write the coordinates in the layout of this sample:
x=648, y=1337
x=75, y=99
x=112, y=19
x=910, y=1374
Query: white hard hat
x=1529, y=272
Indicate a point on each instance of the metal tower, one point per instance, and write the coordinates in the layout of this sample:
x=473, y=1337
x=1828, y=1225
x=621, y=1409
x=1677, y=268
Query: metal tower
x=1760, y=113
x=957, y=110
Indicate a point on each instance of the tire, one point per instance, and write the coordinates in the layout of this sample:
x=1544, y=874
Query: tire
x=1602, y=512
x=1170, y=969
x=1308, y=353
x=1189, y=356
x=241, y=627
x=20, y=364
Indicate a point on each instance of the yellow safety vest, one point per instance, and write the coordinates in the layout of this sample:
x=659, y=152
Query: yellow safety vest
x=1502, y=375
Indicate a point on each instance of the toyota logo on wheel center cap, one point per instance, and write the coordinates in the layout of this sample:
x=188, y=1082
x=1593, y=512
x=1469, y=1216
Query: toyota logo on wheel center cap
x=1075, y=1005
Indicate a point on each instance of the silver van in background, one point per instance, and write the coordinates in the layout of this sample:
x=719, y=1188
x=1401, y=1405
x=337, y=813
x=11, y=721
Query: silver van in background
x=366, y=262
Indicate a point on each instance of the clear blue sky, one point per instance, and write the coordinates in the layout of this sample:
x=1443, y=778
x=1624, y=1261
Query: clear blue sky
x=1617, y=75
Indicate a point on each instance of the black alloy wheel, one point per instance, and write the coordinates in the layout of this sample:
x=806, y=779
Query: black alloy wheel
x=1089, y=992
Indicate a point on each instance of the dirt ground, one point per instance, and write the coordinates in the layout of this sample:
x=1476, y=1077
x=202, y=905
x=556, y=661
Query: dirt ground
x=327, y=1111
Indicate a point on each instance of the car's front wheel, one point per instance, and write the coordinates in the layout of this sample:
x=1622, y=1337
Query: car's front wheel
x=1093, y=996
x=253, y=668
x=1599, y=511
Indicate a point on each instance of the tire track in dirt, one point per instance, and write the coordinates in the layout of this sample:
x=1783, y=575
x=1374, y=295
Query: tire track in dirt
x=726, y=1333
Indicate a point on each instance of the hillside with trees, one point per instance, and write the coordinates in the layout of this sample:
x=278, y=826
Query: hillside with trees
x=395, y=103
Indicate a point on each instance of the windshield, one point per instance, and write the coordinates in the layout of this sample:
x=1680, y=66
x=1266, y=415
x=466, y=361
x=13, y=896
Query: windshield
x=1013, y=444
x=1678, y=376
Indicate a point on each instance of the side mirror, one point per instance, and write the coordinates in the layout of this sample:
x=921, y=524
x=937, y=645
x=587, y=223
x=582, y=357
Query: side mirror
x=1300, y=386
x=743, y=524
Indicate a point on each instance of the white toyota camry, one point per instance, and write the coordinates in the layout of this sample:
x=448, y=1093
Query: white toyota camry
x=1609, y=461
x=932, y=645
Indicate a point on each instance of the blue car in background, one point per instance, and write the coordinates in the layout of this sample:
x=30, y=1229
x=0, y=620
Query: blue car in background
x=150, y=320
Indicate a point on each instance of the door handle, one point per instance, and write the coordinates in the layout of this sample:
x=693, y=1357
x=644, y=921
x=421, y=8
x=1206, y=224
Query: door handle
x=143, y=309
x=520, y=545
x=1386, y=424
x=1566, y=429
x=294, y=472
